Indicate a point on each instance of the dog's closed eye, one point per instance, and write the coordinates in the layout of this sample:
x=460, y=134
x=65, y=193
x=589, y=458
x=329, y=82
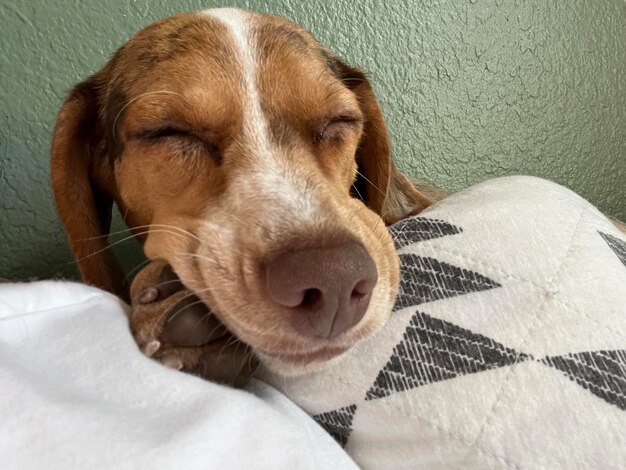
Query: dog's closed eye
x=191, y=141
x=333, y=129
x=163, y=132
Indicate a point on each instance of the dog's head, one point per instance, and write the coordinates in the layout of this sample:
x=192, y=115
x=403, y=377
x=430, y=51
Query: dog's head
x=256, y=163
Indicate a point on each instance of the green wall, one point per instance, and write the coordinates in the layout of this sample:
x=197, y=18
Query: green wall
x=472, y=89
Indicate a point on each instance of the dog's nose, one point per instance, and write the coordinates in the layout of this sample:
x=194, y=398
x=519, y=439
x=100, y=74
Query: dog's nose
x=327, y=289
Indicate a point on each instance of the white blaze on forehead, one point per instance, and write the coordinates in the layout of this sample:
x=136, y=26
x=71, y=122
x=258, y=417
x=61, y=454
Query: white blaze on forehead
x=273, y=176
x=237, y=23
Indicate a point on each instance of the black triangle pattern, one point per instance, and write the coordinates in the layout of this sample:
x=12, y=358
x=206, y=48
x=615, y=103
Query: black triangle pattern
x=424, y=279
x=617, y=245
x=603, y=373
x=337, y=423
x=419, y=229
x=433, y=350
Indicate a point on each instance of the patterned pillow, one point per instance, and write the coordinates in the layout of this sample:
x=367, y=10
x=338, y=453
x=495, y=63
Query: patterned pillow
x=507, y=345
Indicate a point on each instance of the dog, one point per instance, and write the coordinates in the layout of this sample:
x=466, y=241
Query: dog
x=255, y=163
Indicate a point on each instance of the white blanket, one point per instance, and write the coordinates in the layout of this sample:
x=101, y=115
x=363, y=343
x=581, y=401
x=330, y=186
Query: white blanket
x=75, y=393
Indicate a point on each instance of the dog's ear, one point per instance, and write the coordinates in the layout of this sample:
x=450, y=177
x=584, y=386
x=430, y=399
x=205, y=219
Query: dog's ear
x=379, y=183
x=82, y=179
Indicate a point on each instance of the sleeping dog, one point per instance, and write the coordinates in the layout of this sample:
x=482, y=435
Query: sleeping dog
x=255, y=163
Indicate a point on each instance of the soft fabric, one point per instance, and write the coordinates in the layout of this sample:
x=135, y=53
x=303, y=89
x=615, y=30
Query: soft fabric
x=506, y=347
x=75, y=393
x=505, y=350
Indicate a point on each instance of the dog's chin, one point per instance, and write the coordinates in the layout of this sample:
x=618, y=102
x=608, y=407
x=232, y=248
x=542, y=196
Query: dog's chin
x=296, y=365
x=303, y=360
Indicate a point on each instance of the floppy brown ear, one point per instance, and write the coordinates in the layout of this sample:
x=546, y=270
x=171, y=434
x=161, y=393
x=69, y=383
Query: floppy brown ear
x=81, y=181
x=383, y=187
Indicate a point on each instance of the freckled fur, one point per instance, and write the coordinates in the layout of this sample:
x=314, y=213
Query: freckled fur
x=258, y=88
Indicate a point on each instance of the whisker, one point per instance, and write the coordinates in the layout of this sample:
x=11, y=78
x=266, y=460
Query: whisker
x=134, y=270
x=106, y=235
x=230, y=342
x=250, y=358
x=380, y=220
x=121, y=241
x=173, y=227
x=236, y=347
x=215, y=264
x=365, y=178
x=214, y=329
x=125, y=214
x=188, y=305
x=186, y=296
x=166, y=282
x=357, y=191
x=180, y=310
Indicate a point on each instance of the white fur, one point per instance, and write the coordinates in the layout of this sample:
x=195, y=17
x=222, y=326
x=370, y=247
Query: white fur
x=273, y=178
x=254, y=120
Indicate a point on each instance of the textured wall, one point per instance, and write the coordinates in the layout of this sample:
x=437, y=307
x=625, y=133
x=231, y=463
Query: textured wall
x=472, y=89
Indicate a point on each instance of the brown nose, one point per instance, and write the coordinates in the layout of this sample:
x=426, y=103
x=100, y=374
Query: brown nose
x=327, y=289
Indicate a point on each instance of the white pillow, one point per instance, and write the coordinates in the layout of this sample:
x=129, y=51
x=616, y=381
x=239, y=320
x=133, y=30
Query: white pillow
x=506, y=348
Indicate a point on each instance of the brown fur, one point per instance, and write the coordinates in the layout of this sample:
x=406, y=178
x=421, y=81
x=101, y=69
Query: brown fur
x=202, y=200
x=199, y=201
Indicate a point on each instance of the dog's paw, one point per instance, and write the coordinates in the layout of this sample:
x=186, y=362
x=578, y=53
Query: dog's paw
x=173, y=326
